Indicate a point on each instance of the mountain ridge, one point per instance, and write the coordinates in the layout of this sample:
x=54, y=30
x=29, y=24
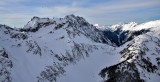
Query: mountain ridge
x=50, y=50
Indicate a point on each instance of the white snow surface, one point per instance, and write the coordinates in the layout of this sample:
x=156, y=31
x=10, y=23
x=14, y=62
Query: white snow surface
x=87, y=70
x=147, y=25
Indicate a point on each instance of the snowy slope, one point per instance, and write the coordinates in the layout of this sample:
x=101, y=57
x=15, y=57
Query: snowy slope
x=70, y=49
x=87, y=69
x=139, y=60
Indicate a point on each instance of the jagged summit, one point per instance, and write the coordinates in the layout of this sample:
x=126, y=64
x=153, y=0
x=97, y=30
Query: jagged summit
x=37, y=20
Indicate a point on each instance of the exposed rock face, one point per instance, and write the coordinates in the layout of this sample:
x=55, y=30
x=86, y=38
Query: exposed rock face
x=5, y=66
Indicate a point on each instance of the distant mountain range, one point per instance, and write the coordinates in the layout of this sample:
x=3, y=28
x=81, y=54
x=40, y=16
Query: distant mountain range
x=70, y=49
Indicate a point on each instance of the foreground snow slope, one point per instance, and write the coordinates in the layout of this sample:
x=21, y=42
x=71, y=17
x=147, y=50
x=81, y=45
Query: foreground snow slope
x=70, y=49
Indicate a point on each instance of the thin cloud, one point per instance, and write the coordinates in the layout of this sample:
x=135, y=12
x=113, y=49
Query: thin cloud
x=98, y=10
x=94, y=13
x=8, y=2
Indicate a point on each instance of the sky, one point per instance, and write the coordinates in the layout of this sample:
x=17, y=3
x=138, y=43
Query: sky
x=16, y=13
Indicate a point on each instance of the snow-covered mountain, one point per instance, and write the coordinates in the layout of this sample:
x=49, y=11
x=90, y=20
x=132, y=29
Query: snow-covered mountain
x=70, y=49
x=121, y=33
x=140, y=60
